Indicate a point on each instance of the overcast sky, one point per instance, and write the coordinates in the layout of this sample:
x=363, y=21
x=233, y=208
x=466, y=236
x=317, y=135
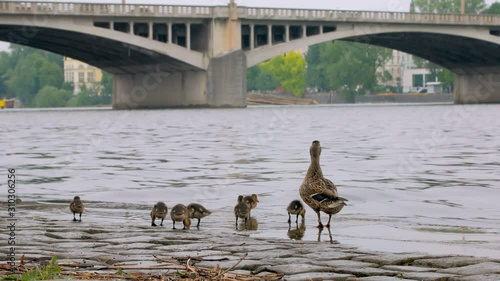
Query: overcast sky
x=367, y=5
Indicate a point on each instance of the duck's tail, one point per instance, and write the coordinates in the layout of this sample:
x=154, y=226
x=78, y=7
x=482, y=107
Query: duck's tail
x=320, y=198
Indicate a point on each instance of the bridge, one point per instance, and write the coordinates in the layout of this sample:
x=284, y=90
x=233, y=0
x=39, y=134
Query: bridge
x=182, y=56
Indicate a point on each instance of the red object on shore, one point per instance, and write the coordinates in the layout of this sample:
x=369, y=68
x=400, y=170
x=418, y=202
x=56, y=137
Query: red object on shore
x=9, y=103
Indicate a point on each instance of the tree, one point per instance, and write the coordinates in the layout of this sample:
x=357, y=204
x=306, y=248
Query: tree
x=447, y=78
x=351, y=67
x=260, y=81
x=107, y=84
x=448, y=6
x=50, y=96
x=494, y=9
x=27, y=70
x=288, y=70
x=314, y=76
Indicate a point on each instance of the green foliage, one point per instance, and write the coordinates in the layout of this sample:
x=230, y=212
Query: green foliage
x=50, y=96
x=107, y=84
x=25, y=71
x=494, y=9
x=89, y=97
x=48, y=272
x=448, y=6
x=348, y=67
x=314, y=76
x=260, y=81
x=447, y=78
x=289, y=71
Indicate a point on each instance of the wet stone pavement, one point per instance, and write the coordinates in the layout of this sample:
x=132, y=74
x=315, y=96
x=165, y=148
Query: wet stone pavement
x=95, y=245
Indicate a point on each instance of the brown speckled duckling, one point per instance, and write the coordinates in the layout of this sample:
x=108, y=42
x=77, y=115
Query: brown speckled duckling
x=77, y=206
x=160, y=211
x=180, y=213
x=197, y=211
x=242, y=210
x=296, y=208
x=251, y=200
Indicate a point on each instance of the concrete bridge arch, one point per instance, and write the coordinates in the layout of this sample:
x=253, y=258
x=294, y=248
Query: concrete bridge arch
x=115, y=52
x=450, y=46
x=472, y=53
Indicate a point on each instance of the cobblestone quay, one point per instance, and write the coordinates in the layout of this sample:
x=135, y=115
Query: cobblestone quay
x=94, y=246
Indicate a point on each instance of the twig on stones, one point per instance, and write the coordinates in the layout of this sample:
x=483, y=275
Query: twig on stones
x=232, y=267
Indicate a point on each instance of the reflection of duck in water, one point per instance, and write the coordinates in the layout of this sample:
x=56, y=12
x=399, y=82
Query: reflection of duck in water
x=242, y=210
x=296, y=208
x=160, y=211
x=197, y=211
x=296, y=233
x=252, y=224
x=180, y=213
x=329, y=236
x=317, y=192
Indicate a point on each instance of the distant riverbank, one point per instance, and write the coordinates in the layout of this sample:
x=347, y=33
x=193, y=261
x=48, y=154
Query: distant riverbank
x=335, y=98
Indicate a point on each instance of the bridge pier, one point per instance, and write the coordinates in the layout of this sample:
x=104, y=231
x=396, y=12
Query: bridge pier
x=222, y=85
x=478, y=85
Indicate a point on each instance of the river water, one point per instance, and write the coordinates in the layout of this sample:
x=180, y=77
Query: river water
x=418, y=177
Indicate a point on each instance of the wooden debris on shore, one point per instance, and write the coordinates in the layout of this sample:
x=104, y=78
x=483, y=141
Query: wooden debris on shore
x=269, y=99
x=166, y=270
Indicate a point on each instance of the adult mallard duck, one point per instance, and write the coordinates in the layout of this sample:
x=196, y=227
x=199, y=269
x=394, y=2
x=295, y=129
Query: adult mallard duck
x=180, y=213
x=296, y=208
x=197, y=211
x=76, y=206
x=317, y=192
x=160, y=211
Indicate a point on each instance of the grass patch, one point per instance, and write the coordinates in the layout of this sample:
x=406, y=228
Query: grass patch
x=48, y=272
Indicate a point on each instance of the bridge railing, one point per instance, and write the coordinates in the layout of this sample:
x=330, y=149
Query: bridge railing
x=60, y=8
x=364, y=16
x=105, y=9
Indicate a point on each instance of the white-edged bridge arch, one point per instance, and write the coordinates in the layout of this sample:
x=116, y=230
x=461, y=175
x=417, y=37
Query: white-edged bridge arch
x=366, y=33
x=115, y=52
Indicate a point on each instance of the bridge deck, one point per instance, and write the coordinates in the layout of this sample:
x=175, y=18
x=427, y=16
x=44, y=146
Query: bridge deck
x=249, y=13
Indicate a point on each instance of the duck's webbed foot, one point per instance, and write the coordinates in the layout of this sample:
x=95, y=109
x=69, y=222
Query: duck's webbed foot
x=320, y=225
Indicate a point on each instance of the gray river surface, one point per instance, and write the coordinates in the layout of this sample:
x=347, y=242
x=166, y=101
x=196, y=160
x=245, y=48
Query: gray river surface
x=419, y=178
